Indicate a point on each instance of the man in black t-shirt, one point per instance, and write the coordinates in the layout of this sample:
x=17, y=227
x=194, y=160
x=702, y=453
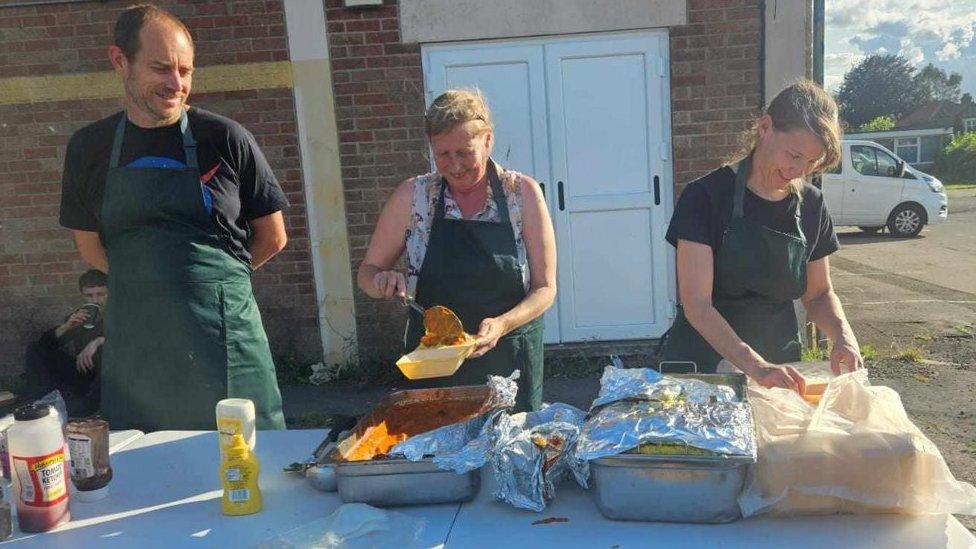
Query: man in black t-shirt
x=179, y=206
x=237, y=185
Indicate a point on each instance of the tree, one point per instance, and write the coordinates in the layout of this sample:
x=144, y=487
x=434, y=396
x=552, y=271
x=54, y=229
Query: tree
x=878, y=124
x=936, y=85
x=880, y=85
x=957, y=161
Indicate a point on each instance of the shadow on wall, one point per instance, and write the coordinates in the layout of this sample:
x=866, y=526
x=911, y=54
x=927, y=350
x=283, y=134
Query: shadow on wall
x=22, y=320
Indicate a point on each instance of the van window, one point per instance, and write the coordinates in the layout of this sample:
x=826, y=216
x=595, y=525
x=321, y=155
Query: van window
x=887, y=165
x=869, y=160
x=863, y=160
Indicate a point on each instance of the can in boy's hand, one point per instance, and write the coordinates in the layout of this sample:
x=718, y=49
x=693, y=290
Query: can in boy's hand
x=93, y=310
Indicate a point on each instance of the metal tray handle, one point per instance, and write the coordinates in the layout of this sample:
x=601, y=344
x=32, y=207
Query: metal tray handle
x=663, y=363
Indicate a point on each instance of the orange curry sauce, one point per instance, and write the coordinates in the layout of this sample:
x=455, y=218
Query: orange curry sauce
x=408, y=420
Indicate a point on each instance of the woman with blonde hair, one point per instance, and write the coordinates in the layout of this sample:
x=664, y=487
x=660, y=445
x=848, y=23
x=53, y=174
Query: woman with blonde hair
x=752, y=237
x=478, y=240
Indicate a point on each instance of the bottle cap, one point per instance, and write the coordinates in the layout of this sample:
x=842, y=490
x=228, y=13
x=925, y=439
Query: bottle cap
x=32, y=411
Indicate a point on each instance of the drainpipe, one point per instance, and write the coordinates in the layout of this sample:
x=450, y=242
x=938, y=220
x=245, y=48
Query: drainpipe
x=818, y=55
x=762, y=54
x=818, y=41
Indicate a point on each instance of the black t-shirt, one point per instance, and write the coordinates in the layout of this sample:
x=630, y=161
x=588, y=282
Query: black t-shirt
x=233, y=169
x=705, y=208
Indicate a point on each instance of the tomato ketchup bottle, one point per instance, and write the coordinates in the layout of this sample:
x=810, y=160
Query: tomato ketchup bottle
x=40, y=473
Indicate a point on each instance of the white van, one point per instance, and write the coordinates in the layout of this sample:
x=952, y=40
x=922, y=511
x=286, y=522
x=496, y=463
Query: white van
x=872, y=188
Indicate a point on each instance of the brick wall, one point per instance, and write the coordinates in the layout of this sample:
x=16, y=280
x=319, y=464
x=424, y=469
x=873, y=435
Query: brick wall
x=378, y=83
x=38, y=263
x=715, y=76
x=380, y=105
x=715, y=83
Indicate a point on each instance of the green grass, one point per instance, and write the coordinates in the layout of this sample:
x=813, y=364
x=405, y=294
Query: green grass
x=814, y=353
x=959, y=186
x=868, y=352
x=912, y=353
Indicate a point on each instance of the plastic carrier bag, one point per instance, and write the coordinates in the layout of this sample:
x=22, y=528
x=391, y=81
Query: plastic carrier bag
x=856, y=451
x=352, y=526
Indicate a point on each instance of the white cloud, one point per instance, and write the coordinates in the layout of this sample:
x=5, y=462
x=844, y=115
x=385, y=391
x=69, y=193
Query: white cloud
x=923, y=31
x=912, y=53
x=948, y=51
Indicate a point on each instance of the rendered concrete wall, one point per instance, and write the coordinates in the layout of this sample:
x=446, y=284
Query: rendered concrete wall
x=450, y=20
x=789, y=43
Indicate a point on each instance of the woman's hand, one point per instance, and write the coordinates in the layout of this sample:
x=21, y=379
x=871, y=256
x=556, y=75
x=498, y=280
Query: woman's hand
x=784, y=377
x=390, y=283
x=846, y=351
x=489, y=332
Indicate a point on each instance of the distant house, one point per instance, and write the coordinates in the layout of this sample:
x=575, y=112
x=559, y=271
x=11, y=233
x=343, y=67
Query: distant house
x=918, y=136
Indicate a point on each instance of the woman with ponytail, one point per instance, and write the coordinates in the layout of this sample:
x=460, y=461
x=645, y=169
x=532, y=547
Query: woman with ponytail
x=751, y=237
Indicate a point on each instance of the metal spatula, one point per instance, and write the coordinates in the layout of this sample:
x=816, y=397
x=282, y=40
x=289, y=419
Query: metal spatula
x=408, y=301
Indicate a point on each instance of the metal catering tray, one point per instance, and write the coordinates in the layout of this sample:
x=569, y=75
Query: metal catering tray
x=390, y=482
x=397, y=481
x=673, y=488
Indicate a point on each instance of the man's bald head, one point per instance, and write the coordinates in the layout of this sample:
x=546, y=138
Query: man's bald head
x=134, y=18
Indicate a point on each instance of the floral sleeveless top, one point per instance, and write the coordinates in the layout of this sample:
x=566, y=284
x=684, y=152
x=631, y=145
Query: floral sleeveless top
x=425, y=192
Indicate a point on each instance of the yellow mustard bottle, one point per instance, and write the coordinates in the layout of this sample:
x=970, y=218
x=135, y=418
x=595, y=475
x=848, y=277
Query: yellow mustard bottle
x=239, y=470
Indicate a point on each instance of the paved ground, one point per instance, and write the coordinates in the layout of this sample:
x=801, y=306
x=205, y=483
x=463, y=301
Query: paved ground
x=893, y=286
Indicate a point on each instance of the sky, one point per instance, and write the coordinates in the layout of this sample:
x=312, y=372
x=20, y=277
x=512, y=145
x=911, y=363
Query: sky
x=942, y=32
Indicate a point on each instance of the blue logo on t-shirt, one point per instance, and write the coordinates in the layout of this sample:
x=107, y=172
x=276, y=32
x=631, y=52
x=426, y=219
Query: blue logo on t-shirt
x=157, y=162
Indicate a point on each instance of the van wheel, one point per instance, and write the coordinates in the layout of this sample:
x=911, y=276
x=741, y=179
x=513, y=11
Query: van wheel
x=906, y=220
x=871, y=229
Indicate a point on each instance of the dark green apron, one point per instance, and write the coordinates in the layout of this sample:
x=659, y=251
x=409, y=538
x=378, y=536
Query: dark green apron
x=182, y=328
x=758, y=274
x=472, y=268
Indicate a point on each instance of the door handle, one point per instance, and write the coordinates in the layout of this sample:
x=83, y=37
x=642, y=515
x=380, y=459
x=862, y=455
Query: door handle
x=657, y=191
x=559, y=191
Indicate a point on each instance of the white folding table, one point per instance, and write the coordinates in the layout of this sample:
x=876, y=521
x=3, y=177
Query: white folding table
x=166, y=493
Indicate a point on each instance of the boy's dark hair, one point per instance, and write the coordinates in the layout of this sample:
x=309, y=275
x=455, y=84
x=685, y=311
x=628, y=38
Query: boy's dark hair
x=131, y=21
x=91, y=279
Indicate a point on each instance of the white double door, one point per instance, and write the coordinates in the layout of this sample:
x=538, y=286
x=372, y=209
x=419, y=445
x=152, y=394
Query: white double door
x=589, y=118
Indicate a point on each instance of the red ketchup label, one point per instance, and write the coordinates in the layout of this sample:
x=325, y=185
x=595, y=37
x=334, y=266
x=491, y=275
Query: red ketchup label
x=43, y=482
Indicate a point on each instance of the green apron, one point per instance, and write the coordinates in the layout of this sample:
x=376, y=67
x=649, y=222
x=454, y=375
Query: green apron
x=758, y=274
x=182, y=328
x=472, y=268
